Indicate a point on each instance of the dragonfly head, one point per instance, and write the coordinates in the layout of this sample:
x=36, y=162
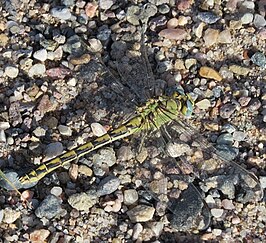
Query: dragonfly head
x=184, y=99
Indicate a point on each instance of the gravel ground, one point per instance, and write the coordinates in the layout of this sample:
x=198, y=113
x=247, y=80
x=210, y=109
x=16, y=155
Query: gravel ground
x=56, y=94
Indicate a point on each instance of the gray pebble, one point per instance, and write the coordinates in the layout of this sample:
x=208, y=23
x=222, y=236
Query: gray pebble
x=227, y=110
x=239, y=136
x=228, y=128
x=259, y=59
x=164, y=9
x=106, y=4
x=141, y=213
x=39, y=132
x=263, y=181
x=65, y=130
x=105, y=156
x=61, y=13
x=259, y=21
x=254, y=104
x=108, y=185
x=49, y=207
x=130, y=196
x=54, y=149
x=208, y=17
x=217, y=212
x=68, y=3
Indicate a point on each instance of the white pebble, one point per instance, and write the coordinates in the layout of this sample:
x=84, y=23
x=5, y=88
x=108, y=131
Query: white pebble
x=11, y=72
x=40, y=55
x=56, y=190
x=37, y=70
x=217, y=212
x=65, y=130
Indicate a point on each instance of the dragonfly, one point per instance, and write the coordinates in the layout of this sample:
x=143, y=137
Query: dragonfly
x=164, y=113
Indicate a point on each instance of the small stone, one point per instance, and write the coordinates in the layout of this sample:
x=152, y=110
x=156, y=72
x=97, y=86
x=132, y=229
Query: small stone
x=207, y=72
x=1, y=215
x=239, y=136
x=85, y=170
x=217, y=232
x=97, y=129
x=125, y=153
x=2, y=136
x=58, y=73
x=53, y=149
x=106, y=157
x=225, y=37
x=172, y=23
x=10, y=215
x=4, y=125
x=108, y=185
x=3, y=39
x=37, y=70
x=40, y=55
x=203, y=104
x=259, y=59
x=173, y=34
x=83, y=59
x=56, y=190
x=259, y=21
x=239, y=70
x=247, y=18
x=210, y=37
x=138, y=228
x=106, y=4
x=65, y=130
x=141, y=213
x=243, y=101
x=49, y=207
x=90, y=9
x=263, y=181
x=184, y=5
x=236, y=220
x=39, y=132
x=177, y=149
x=217, y=212
x=83, y=201
x=227, y=204
x=61, y=13
x=208, y=17
x=130, y=196
x=11, y=72
x=39, y=235
x=254, y=104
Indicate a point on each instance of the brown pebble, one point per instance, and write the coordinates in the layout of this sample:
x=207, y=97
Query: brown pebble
x=207, y=72
x=173, y=34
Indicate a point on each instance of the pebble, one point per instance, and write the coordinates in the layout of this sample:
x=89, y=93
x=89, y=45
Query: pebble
x=211, y=37
x=259, y=21
x=40, y=55
x=203, y=104
x=53, y=149
x=65, y=130
x=108, y=185
x=39, y=235
x=61, y=13
x=177, y=149
x=228, y=128
x=217, y=232
x=239, y=136
x=97, y=129
x=227, y=204
x=37, y=70
x=247, y=18
x=208, y=17
x=141, y=213
x=49, y=207
x=263, y=181
x=236, y=220
x=137, y=229
x=243, y=101
x=10, y=215
x=106, y=4
x=83, y=201
x=4, y=125
x=130, y=196
x=217, y=212
x=125, y=153
x=1, y=215
x=85, y=170
x=106, y=156
x=173, y=34
x=227, y=110
x=90, y=9
x=254, y=104
x=3, y=39
x=39, y=132
x=259, y=59
x=225, y=37
x=11, y=72
x=239, y=70
x=58, y=73
x=207, y=72
x=56, y=190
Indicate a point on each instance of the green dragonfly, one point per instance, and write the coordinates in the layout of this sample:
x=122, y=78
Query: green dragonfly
x=165, y=113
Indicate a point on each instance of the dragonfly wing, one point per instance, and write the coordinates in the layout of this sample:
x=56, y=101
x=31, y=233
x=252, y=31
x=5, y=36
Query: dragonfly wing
x=210, y=160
